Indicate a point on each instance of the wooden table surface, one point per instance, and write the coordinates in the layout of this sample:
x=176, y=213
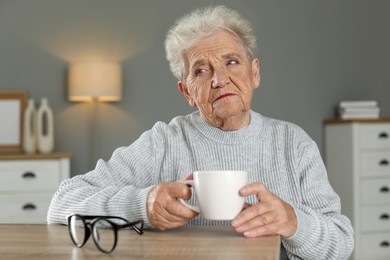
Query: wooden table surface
x=29, y=242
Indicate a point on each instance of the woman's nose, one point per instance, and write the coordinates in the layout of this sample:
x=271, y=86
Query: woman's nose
x=220, y=78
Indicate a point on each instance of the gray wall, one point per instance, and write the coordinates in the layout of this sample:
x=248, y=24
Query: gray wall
x=313, y=54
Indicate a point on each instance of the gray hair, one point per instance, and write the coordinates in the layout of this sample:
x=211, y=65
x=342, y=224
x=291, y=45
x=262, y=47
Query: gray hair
x=200, y=24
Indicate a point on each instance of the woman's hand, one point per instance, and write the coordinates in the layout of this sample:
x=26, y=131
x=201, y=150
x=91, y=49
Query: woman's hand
x=270, y=216
x=164, y=211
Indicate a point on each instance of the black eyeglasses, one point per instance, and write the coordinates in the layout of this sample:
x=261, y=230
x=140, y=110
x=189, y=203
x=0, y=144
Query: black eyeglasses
x=104, y=230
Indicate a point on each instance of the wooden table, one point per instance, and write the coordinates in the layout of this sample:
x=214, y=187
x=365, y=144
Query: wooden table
x=53, y=242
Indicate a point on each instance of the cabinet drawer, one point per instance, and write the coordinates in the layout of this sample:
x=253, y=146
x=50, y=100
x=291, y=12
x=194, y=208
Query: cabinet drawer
x=376, y=246
x=376, y=218
x=24, y=208
x=375, y=192
x=29, y=175
x=375, y=163
x=374, y=136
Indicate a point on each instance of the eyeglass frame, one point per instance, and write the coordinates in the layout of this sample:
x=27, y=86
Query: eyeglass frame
x=89, y=228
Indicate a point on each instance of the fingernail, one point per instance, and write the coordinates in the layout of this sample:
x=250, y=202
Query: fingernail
x=247, y=233
x=239, y=229
x=235, y=223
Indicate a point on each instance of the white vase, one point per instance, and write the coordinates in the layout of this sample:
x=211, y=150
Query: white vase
x=45, y=127
x=30, y=128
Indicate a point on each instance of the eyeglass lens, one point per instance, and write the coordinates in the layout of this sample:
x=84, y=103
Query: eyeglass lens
x=78, y=230
x=104, y=235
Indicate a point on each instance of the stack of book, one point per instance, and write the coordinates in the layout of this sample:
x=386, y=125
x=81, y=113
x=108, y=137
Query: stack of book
x=364, y=109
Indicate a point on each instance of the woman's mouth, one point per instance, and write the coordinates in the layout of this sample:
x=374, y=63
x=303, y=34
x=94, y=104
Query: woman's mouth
x=225, y=95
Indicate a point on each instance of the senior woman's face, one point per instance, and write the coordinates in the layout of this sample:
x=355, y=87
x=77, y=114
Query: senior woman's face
x=220, y=80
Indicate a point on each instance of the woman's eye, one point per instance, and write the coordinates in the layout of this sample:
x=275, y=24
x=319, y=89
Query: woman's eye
x=199, y=71
x=232, y=62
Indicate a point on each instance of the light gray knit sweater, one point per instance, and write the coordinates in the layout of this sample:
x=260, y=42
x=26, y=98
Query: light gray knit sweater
x=279, y=154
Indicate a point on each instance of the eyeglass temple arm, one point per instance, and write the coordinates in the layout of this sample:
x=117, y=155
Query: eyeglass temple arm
x=97, y=216
x=134, y=226
x=128, y=223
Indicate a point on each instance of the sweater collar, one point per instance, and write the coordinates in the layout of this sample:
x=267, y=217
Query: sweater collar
x=254, y=129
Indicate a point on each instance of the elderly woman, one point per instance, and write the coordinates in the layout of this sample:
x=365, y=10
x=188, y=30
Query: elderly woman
x=211, y=53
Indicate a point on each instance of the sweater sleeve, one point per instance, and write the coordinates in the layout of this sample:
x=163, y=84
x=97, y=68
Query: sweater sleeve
x=117, y=187
x=322, y=232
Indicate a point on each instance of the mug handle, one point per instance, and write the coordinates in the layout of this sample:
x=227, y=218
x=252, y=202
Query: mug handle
x=193, y=207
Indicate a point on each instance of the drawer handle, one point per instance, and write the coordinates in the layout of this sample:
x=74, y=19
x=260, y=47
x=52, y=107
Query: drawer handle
x=383, y=135
x=29, y=175
x=384, y=216
x=29, y=206
x=384, y=189
x=385, y=244
x=384, y=162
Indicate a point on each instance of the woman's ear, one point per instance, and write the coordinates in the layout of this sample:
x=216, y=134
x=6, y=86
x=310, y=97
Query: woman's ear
x=186, y=94
x=256, y=72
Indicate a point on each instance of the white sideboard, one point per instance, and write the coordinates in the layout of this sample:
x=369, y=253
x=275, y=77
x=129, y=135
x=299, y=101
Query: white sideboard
x=27, y=184
x=357, y=156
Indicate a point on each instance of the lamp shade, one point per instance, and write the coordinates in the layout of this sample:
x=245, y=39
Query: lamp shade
x=94, y=80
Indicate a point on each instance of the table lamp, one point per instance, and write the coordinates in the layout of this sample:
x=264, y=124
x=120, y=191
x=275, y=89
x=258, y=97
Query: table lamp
x=94, y=82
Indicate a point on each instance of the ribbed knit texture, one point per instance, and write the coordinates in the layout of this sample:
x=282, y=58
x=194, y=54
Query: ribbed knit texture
x=276, y=153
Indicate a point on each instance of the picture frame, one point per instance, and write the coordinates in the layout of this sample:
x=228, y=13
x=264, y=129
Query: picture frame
x=12, y=106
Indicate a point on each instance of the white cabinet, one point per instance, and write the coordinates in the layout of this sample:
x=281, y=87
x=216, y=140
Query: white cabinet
x=27, y=184
x=357, y=155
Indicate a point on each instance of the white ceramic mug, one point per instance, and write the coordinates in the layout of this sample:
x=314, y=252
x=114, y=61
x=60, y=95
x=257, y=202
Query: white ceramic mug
x=218, y=193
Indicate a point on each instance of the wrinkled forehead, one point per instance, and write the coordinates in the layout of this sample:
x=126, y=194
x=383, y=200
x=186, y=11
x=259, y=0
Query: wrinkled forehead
x=219, y=45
